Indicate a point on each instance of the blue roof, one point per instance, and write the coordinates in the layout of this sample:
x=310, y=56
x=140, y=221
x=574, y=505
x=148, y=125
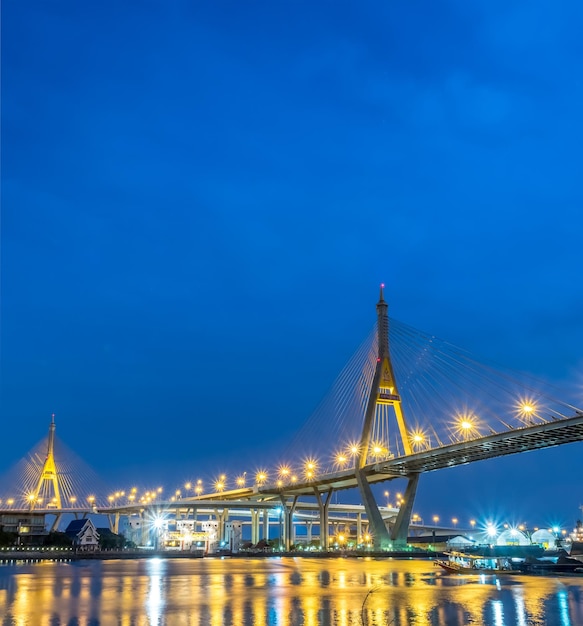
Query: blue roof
x=76, y=525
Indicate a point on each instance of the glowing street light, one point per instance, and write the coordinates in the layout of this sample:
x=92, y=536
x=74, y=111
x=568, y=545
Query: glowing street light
x=527, y=410
x=340, y=460
x=261, y=477
x=465, y=426
x=241, y=479
x=353, y=449
x=418, y=440
x=310, y=468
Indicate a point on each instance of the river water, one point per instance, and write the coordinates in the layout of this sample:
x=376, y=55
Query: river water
x=277, y=592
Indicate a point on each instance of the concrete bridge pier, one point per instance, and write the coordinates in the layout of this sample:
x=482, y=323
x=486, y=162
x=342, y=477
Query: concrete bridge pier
x=222, y=518
x=381, y=539
x=288, y=510
x=254, y=526
x=114, y=522
x=400, y=530
x=265, y=515
x=323, y=505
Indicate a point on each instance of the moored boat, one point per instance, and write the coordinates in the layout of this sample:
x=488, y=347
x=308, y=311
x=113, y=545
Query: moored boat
x=461, y=563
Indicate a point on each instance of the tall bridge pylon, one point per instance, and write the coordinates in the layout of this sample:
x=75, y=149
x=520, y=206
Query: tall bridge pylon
x=384, y=392
x=49, y=472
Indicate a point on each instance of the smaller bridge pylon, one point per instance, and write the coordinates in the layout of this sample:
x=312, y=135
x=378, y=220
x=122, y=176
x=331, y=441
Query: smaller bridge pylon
x=49, y=473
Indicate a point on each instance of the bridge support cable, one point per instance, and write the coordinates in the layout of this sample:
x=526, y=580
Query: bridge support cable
x=400, y=530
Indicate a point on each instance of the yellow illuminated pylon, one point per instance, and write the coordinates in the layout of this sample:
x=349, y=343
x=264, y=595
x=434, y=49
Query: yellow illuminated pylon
x=49, y=471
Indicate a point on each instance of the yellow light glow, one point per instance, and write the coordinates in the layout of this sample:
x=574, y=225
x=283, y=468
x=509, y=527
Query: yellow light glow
x=261, y=477
x=418, y=439
x=219, y=486
x=354, y=449
x=341, y=459
x=527, y=410
x=310, y=468
x=465, y=426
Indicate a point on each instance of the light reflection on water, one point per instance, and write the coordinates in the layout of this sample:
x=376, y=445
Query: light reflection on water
x=278, y=592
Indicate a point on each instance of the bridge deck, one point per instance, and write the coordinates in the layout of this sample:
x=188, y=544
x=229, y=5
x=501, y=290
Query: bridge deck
x=528, y=438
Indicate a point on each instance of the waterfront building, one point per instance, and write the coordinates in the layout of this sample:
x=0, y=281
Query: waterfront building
x=29, y=528
x=83, y=535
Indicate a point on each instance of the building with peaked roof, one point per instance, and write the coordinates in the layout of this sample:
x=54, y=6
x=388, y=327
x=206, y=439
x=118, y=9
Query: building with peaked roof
x=83, y=534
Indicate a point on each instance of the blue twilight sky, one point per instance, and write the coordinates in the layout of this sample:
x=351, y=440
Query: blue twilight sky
x=199, y=200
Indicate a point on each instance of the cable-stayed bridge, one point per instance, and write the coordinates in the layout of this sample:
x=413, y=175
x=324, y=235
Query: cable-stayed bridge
x=406, y=403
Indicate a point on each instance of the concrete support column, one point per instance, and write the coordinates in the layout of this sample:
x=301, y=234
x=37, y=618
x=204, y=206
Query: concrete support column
x=323, y=506
x=144, y=530
x=309, y=532
x=380, y=535
x=401, y=528
x=113, y=522
x=358, y=528
x=222, y=524
x=254, y=526
x=222, y=517
x=288, y=520
x=266, y=524
x=55, y=524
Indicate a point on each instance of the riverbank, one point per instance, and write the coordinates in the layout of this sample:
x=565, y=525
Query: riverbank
x=68, y=554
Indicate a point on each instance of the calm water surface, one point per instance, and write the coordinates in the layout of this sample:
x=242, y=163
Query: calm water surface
x=277, y=592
